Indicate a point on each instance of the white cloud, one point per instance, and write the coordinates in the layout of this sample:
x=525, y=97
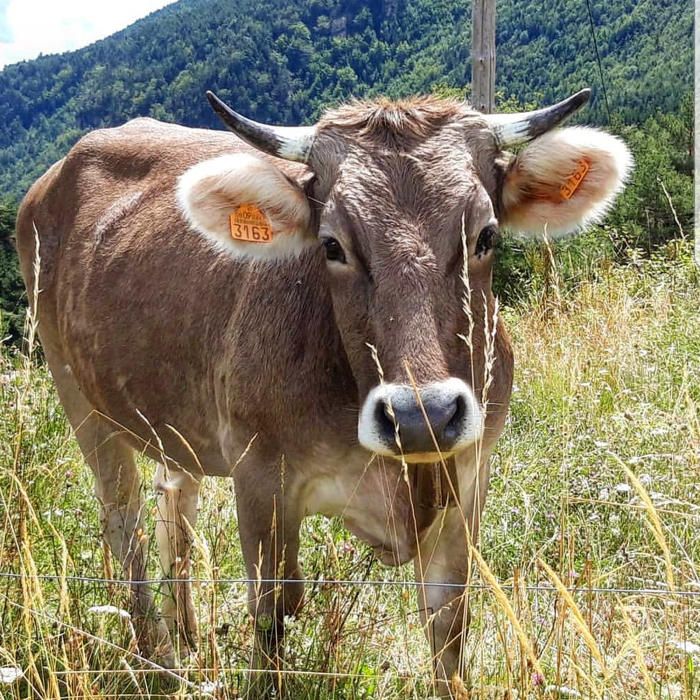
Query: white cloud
x=31, y=27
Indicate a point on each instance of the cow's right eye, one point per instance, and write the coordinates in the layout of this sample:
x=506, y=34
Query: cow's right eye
x=334, y=251
x=488, y=237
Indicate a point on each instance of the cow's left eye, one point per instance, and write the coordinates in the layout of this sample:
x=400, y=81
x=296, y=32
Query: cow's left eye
x=488, y=237
x=334, y=251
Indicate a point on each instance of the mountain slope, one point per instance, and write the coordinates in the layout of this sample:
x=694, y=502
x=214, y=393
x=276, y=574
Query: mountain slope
x=283, y=62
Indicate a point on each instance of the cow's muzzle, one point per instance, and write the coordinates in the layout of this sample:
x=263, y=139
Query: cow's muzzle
x=422, y=424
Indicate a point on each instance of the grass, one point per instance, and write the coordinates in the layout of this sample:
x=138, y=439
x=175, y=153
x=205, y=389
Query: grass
x=595, y=487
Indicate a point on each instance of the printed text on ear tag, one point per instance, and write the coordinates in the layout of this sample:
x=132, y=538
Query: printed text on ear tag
x=250, y=225
x=573, y=183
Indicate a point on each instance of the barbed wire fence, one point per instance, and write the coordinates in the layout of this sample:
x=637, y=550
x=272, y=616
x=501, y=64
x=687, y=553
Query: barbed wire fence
x=210, y=689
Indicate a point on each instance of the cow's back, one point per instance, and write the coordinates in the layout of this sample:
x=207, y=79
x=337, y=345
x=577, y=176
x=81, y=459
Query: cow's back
x=83, y=201
x=155, y=325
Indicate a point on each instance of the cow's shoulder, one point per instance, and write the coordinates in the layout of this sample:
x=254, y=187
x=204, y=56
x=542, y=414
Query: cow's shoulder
x=134, y=149
x=155, y=153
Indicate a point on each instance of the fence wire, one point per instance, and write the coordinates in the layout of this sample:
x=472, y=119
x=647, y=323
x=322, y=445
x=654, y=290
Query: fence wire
x=225, y=673
x=534, y=588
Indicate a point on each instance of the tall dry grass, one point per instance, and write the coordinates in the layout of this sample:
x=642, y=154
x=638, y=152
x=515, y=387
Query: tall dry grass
x=586, y=583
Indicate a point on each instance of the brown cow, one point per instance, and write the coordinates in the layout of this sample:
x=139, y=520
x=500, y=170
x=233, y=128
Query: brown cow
x=321, y=331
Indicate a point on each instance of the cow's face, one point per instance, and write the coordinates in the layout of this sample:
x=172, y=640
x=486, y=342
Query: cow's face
x=413, y=191
x=407, y=202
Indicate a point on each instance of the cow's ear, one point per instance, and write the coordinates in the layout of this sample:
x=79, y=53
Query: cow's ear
x=247, y=207
x=563, y=181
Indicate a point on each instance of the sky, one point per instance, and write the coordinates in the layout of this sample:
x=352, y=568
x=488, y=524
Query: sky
x=31, y=27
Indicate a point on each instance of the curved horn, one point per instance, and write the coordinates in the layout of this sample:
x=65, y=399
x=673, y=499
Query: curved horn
x=514, y=129
x=288, y=142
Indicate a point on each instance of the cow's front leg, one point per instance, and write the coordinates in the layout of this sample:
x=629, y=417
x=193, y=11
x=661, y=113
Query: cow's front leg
x=443, y=567
x=269, y=520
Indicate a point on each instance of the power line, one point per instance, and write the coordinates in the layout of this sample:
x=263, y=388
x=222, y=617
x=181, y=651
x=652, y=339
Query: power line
x=600, y=64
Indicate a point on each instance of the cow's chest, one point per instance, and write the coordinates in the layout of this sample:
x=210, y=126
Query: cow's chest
x=389, y=508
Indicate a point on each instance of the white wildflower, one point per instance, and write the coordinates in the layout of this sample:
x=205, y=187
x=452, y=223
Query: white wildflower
x=561, y=691
x=48, y=514
x=623, y=488
x=10, y=674
x=210, y=686
x=689, y=648
x=109, y=610
x=673, y=691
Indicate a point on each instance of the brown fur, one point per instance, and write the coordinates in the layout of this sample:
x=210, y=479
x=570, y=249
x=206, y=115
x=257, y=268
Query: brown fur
x=412, y=118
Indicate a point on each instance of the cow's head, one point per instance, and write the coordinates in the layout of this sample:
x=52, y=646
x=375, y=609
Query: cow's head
x=408, y=200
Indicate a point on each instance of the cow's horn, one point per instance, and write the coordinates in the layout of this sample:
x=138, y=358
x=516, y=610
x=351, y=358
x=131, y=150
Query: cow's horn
x=288, y=142
x=513, y=129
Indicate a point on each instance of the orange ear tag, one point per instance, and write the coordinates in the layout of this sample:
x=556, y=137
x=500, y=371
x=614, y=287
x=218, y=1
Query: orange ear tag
x=249, y=225
x=574, y=182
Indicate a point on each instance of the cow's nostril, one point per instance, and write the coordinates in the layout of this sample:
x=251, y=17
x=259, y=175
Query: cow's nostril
x=455, y=422
x=384, y=419
x=460, y=411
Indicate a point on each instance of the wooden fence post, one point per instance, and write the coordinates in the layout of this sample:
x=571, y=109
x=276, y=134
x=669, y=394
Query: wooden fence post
x=484, y=55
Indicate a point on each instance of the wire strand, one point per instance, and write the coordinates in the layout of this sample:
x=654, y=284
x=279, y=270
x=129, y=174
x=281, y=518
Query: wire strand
x=656, y=592
x=600, y=64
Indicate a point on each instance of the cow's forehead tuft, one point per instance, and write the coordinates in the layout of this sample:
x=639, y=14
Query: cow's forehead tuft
x=380, y=119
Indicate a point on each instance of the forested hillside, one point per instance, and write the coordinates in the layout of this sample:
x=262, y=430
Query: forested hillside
x=282, y=61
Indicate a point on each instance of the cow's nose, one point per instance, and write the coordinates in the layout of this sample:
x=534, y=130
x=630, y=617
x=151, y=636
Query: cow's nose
x=423, y=425
x=440, y=417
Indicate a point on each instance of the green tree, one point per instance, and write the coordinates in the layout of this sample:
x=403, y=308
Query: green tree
x=12, y=296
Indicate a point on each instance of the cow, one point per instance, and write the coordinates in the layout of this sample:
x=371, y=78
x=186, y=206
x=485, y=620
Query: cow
x=309, y=311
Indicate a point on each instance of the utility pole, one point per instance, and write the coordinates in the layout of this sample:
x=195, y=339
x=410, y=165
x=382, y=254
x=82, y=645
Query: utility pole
x=484, y=55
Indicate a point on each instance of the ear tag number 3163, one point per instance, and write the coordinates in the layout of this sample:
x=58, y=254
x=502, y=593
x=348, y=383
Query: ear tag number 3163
x=249, y=225
x=568, y=189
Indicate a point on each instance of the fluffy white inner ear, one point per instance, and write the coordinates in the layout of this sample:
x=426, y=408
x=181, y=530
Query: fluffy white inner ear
x=209, y=192
x=542, y=191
